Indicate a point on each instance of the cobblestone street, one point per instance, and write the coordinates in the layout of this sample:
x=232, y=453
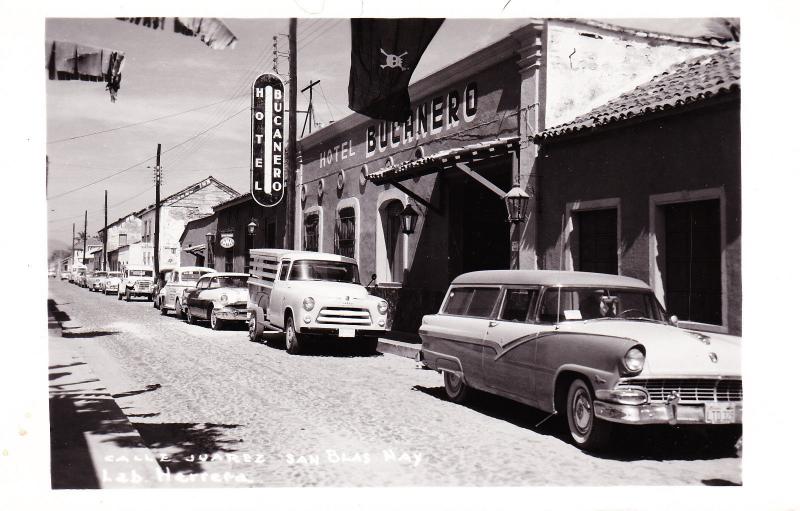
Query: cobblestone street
x=236, y=413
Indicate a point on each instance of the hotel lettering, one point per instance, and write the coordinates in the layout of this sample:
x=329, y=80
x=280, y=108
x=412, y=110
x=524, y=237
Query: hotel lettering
x=428, y=119
x=266, y=171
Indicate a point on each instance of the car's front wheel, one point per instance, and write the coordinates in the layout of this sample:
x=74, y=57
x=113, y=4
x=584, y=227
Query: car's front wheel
x=216, y=323
x=178, y=311
x=587, y=431
x=456, y=388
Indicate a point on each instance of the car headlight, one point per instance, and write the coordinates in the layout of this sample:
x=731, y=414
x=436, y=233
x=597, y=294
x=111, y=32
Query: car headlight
x=308, y=304
x=383, y=306
x=223, y=298
x=633, y=360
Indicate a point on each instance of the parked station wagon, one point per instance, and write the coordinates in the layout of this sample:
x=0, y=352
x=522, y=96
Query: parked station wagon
x=597, y=348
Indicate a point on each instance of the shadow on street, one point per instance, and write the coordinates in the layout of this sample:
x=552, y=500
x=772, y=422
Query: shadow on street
x=628, y=443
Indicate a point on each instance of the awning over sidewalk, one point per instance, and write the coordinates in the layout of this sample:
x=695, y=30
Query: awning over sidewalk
x=472, y=153
x=195, y=249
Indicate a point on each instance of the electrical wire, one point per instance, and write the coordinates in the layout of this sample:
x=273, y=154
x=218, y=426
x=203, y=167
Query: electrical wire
x=147, y=159
x=141, y=122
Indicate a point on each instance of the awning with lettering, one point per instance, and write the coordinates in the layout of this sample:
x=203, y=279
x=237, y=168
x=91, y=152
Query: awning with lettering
x=472, y=153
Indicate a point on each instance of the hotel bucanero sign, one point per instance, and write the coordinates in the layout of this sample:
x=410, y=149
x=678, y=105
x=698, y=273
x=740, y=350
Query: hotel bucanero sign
x=266, y=163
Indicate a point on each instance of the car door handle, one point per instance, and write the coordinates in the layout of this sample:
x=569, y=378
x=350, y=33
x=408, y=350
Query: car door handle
x=492, y=323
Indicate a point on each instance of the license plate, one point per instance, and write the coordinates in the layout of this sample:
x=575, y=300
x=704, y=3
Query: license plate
x=347, y=332
x=718, y=413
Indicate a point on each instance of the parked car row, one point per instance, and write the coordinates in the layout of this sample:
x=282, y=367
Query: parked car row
x=597, y=349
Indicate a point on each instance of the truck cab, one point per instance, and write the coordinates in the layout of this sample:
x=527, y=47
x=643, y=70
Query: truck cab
x=312, y=294
x=136, y=280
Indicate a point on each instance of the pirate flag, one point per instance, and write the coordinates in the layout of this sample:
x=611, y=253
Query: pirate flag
x=383, y=56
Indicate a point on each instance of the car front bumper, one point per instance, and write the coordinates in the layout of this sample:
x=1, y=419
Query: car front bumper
x=231, y=314
x=664, y=413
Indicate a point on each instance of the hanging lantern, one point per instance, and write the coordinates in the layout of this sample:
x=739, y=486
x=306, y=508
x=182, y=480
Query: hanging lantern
x=408, y=218
x=517, y=204
x=251, y=227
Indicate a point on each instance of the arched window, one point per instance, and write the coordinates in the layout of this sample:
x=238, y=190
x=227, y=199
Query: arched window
x=345, y=236
x=393, y=237
x=311, y=232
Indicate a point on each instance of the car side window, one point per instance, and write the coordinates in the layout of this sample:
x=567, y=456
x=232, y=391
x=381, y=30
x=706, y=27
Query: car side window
x=518, y=304
x=458, y=300
x=483, y=302
x=284, y=272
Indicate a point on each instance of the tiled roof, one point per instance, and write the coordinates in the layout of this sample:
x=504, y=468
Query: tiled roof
x=696, y=79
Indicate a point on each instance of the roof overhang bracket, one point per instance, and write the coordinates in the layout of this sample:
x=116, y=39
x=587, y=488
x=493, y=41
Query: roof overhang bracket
x=463, y=167
x=416, y=197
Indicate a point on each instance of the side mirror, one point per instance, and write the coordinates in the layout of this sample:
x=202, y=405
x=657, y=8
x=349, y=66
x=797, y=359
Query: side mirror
x=372, y=280
x=673, y=320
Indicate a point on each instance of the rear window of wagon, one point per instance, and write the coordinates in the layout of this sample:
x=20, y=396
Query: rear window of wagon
x=478, y=302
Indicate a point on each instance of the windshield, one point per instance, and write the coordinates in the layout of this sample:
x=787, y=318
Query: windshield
x=331, y=271
x=578, y=304
x=140, y=273
x=191, y=276
x=230, y=282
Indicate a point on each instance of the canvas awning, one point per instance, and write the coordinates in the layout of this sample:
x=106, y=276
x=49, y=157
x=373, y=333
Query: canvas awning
x=195, y=249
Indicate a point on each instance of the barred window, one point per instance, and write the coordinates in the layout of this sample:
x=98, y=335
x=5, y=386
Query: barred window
x=344, y=241
x=311, y=238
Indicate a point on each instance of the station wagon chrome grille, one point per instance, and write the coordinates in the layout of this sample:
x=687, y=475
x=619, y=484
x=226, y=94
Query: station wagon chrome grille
x=141, y=286
x=344, y=316
x=697, y=390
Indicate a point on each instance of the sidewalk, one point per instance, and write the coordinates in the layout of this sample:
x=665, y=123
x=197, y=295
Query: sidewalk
x=92, y=443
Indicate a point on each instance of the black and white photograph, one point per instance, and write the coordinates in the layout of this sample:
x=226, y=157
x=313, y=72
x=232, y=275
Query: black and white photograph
x=418, y=251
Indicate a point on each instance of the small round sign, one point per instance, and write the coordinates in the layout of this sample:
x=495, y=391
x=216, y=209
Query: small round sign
x=226, y=242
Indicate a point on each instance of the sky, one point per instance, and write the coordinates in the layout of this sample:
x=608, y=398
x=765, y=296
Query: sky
x=166, y=74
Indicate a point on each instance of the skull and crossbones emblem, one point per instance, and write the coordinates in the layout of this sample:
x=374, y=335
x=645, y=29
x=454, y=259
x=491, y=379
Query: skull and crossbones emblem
x=394, y=60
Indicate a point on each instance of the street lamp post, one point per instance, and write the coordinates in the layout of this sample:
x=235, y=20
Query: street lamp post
x=210, y=249
x=251, y=234
x=516, y=204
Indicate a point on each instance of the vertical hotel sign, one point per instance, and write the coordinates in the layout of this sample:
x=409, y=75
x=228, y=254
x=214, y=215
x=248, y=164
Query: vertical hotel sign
x=266, y=130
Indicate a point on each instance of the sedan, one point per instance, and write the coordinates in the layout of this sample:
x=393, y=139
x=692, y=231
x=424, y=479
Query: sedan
x=218, y=298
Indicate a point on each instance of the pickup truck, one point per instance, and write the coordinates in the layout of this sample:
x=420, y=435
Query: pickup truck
x=136, y=281
x=312, y=294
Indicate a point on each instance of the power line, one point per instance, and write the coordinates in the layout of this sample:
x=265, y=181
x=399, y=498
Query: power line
x=101, y=209
x=307, y=43
x=141, y=122
x=147, y=159
x=326, y=102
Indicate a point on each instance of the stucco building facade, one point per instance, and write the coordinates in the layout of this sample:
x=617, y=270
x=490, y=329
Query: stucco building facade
x=469, y=139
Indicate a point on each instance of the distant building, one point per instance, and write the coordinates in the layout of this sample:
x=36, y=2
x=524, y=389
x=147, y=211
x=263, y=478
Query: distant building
x=194, y=201
x=135, y=230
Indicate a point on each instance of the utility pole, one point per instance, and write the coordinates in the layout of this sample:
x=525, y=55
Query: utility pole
x=72, y=255
x=310, y=113
x=157, y=174
x=288, y=237
x=85, y=218
x=105, y=233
